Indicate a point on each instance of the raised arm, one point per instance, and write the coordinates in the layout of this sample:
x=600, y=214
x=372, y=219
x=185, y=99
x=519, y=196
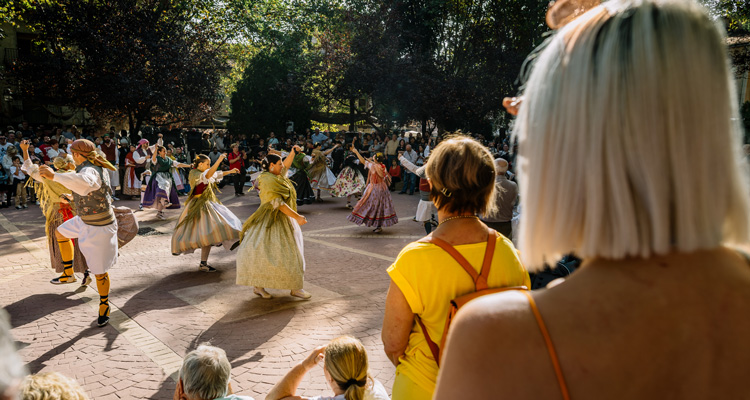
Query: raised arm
x=212, y=170
x=290, y=158
x=287, y=386
x=361, y=159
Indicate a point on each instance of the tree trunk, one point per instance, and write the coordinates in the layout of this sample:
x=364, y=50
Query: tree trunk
x=351, y=115
x=424, y=126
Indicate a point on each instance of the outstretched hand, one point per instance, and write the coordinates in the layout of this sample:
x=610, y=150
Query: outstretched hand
x=24, y=145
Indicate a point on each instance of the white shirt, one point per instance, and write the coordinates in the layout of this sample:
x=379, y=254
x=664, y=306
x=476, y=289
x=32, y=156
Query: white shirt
x=376, y=392
x=17, y=173
x=52, y=153
x=82, y=183
x=411, y=156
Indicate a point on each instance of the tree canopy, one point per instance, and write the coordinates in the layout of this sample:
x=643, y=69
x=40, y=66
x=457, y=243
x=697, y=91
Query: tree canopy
x=147, y=61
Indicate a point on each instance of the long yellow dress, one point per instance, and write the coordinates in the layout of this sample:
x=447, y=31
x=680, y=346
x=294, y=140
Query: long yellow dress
x=271, y=254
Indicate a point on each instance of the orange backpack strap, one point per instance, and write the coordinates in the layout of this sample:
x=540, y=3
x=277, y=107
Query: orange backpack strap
x=434, y=349
x=480, y=280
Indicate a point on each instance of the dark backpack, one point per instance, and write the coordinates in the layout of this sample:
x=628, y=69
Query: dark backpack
x=566, y=266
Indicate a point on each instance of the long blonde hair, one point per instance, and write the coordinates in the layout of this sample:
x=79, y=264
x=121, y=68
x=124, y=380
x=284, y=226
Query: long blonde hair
x=628, y=137
x=346, y=362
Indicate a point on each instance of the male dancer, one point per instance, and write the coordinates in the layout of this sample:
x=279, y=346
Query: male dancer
x=95, y=225
x=142, y=157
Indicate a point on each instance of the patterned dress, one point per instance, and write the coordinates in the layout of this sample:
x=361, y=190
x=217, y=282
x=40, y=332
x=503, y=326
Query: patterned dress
x=271, y=254
x=161, y=186
x=350, y=180
x=132, y=184
x=320, y=174
x=204, y=221
x=375, y=208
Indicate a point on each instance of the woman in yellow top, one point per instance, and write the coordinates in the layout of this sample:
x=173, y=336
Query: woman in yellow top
x=425, y=278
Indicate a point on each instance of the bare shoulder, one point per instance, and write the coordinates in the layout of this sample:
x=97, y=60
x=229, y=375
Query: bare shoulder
x=494, y=346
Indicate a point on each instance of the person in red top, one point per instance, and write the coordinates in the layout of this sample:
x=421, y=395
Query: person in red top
x=237, y=161
x=395, y=173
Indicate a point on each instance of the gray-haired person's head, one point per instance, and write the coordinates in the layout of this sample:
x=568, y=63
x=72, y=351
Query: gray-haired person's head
x=12, y=368
x=205, y=373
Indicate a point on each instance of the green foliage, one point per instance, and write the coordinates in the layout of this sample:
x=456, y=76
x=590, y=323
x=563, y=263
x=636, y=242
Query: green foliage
x=148, y=61
x=273, y=90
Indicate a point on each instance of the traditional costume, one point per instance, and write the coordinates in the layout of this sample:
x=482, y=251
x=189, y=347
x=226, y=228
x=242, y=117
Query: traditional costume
x=375, y=208
x=132, y=184
x=350, y=180
x=176, y=176
x=271, y=253
x=161, y=186
x=95, y=226
x=56, y=211
x=305, y=193
x=321, y=176
x=142, y=157
x=426, y=211
x=204, y=221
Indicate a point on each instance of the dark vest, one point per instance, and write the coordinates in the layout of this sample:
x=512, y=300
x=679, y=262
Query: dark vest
x=96, y=207
x=110, y=151
x=143, y=153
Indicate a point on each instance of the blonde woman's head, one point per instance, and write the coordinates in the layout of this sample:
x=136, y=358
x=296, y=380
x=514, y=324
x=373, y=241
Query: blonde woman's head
x=462, y=174
x=51, y=386
x=628, y=138
x=346, y=364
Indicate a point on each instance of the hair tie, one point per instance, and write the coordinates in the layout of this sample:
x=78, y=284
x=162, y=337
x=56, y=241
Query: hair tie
x=356, y=382
x=446, y=192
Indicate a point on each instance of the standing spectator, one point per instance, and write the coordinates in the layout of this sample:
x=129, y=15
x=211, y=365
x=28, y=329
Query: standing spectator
x=237, y=161
x=110, y=150
x=205, y=375
x=67, y=134
x=193, y=143
x=4, y=146
x=214, y=155
x=346, y=370
x=409, y=178
x=218, y=140
x=273, y=141
x=19, y=181
x=425, y=277
x=206, y=144
x=319, y=137
x=506, y=196
x=659, y=308
x=395, y=172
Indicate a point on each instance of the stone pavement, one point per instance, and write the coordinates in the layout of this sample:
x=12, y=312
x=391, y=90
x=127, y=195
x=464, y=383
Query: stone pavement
x=162, y=307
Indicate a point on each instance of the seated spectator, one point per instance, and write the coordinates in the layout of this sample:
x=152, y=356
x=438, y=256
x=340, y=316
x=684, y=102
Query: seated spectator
x=425, y=277
x=344, y=362
x=12, y=369
x=51, y=386
x=395, y=173
x=205, y=375
x=616, y=167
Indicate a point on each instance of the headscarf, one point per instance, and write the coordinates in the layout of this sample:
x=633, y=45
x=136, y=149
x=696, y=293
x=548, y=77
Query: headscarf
x=142, y=141
x=87, y=149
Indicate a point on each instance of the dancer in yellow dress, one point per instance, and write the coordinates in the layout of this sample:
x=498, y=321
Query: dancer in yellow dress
x=205, y=222
x=271, y=254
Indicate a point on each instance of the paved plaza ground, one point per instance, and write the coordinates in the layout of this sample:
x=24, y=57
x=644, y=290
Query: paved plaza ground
x=162, y=307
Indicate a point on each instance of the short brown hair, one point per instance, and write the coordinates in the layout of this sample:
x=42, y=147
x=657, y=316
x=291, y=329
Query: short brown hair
x=462, y=173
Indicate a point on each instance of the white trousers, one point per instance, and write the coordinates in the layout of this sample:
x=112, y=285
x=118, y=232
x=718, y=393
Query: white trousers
x=97, y=243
